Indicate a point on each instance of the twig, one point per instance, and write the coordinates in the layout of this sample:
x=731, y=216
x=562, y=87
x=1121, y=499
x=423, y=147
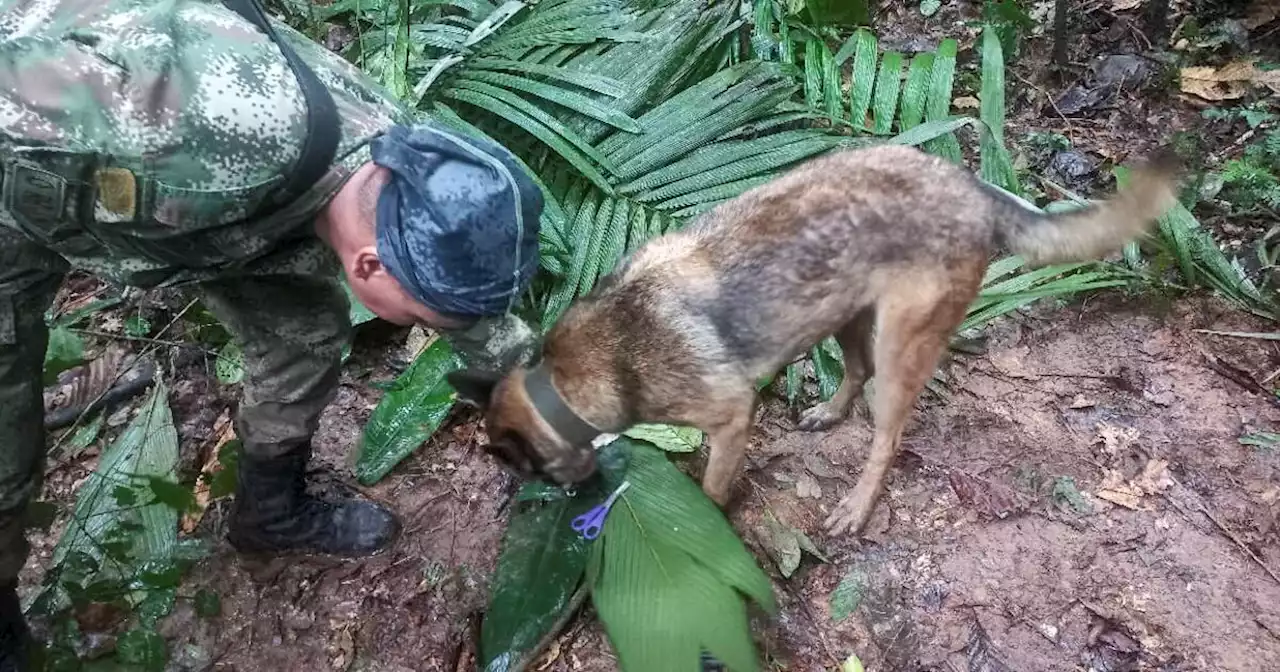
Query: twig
x=1239, y=377
x=126, y=337
x=151, y=348
x=1262, y=624
x=1047, y=96
x=1228, y=534
x=1262, y=335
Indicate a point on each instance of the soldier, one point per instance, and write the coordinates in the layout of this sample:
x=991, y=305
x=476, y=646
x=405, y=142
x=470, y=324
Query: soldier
x=190, y=144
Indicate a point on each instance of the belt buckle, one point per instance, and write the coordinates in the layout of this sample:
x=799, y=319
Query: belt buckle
x=117, y=195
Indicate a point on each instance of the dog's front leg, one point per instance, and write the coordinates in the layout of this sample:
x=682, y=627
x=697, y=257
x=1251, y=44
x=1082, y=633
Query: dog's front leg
x=728, y=454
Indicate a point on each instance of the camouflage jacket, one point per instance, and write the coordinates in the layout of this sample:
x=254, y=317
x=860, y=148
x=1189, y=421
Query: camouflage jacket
x=135, y=136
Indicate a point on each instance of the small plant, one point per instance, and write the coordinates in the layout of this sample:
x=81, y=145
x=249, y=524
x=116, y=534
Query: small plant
x=1253, y=180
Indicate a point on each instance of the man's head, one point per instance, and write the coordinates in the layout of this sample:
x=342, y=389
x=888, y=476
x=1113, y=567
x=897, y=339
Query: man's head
x=439, y=229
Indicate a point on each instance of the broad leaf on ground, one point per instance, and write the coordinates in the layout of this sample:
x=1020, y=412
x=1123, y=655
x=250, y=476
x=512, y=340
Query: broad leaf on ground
x=541, y=566
x=147, y=448
x=229, y=366
x=671, y=438
x=670, y=577
x=65, y=351
x=410, y=412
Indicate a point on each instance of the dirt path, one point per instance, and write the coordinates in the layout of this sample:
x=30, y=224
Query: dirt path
x=1063, y=395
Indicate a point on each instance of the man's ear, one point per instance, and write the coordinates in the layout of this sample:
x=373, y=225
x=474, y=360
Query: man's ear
x=366, y=263
x=473, y=388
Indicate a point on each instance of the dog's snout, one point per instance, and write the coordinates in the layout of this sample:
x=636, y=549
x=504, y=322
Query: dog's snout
x=573, y=467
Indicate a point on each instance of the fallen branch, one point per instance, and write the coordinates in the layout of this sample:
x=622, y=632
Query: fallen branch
x=1240, y=377
x=1225, y=532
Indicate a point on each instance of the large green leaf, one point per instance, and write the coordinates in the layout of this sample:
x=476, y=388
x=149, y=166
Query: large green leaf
x=541, y=565
x=540, y=568
x=670, y=438
x=65, y=351
x=670, y=577
x=997, y=167
x=410, y=412
x=687, y=160
x=147, y=449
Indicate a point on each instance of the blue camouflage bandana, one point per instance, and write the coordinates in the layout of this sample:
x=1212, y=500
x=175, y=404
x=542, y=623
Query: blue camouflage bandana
x=458, y=220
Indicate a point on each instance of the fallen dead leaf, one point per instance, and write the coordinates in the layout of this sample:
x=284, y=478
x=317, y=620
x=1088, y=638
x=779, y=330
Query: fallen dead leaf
x=1081, y=401
x=1114, y=489
x=966, y=102
x=1115, y=439
x=1228, y=82
x=343, y=645
x=1125, y=5
x=807, y=486
x=990, y=500
x=785, y=543
x=1270, y=496
x=1153, y=479
x=224, y=430
x=551, y=656
x=820, y=466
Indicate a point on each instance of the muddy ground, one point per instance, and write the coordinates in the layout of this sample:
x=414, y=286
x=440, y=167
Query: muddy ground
x=1079, y=501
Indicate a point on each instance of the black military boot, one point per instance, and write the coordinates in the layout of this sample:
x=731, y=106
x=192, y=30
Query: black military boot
x=273, y=513
x=14, y=636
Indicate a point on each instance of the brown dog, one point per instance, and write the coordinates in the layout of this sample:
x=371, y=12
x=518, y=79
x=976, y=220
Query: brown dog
x=886, y=237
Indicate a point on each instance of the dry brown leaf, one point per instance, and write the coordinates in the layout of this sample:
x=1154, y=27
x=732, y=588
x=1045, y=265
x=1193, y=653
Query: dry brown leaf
x=991, y=501
x=1081, y=401
x=966, y=102
x=1124, y=5
x=1153, y=479
x=807, y=486
x=551, y=655
x=1229, y=82
x=344, y=646
x=1115, y=439
x=1270, y=496
x=225, y=432
x=1114, y=489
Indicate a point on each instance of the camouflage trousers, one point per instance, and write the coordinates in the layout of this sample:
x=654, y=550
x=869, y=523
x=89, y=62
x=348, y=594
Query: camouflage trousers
x=291, y=329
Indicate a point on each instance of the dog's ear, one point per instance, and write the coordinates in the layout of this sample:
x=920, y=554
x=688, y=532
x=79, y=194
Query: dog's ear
x=474, y=388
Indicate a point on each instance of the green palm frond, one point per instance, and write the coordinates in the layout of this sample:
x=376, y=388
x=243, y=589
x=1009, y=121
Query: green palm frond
x=688, y=158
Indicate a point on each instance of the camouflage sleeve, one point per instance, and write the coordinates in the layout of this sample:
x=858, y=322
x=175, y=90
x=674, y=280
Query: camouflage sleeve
x=495, y=345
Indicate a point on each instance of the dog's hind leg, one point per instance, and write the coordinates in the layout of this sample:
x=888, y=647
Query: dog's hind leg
x=914, y=329
x=856, y=343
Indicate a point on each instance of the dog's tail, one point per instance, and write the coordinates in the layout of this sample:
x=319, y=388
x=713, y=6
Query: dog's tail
x=1097, y=229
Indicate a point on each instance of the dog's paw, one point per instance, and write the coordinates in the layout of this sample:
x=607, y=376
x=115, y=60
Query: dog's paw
x=850, y=515
x=819, y=417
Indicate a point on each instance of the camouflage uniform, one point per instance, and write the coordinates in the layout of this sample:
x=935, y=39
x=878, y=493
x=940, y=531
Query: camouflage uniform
x=135, y=137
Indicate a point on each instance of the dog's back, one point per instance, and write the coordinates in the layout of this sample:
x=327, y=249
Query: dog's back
x=759, y=279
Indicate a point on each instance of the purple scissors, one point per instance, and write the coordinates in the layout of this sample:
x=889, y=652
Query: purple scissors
x=590, y=523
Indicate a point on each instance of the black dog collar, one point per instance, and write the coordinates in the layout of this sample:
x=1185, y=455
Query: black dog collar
x=548, y=402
